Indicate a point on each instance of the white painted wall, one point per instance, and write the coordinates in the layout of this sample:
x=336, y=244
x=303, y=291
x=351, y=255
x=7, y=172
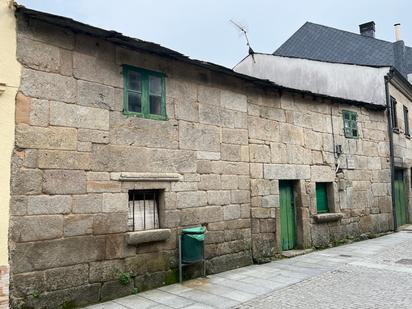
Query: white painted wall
x=345, y=81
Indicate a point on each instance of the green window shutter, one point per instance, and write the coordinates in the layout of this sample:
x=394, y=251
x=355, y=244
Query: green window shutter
x=321, y=198
x=350, y=124
x=144, y=93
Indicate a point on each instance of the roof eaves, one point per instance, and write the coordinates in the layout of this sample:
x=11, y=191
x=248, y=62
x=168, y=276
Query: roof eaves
x=154, y=48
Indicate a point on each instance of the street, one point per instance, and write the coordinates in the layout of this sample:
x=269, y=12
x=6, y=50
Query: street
x=375, y=273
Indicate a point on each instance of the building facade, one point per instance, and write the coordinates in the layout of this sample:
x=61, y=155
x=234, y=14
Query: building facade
x=120, y=143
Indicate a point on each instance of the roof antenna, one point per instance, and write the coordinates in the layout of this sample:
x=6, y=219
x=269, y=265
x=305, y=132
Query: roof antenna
x=244, y=32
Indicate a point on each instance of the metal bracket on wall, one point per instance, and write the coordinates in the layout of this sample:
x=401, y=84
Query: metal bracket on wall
x=2, y=88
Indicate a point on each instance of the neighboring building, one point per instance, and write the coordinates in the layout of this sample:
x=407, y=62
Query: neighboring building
x=120, y=142
x=354, y=67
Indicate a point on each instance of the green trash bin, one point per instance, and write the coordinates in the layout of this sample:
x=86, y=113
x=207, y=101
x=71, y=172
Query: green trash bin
x=192, y=244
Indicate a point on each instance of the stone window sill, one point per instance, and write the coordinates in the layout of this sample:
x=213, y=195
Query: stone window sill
x=141, y=237
x=127, y=176
x=327, y=217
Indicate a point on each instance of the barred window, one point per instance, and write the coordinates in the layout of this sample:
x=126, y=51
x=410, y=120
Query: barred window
x=143, y=210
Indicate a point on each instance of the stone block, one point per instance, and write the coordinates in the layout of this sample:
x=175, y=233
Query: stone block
x=256, y=170
x=230, y=152
x=117, y=247
x=70, y=115
x=57, y=159
x=235, y=136
x=46, y=138
x=184, y=186
x=231, y=212
x=23, y=108
x=210, y=182
x=38, y=55
x=188, y=110
x=191, y=199
x=110, y=223
x=96, y=95
x=88, y=203
x=298, y=154
x=192, y=216
x=263, y=187
x=26, y=181
x=115, y=202
x=94, y=136
x=34, y=228
x=67, y=277
x=322, y=173
x=235, y=168
x=142, y=132
x=39, y=113
x=93, y=69
x=18, y=205
x=66, y=62
x=43, y=31
x=270, y=201
x=208, y=155
x=148, y=236
x=209, y=167
x=64, y=182
x=233, y=101
x=103, y=186
x=209, y=114
x=24, y=284
x=229, y=182
x=313, y=140
x=240, y=196
x=49, y=86
x=233, y=119
x=105, y=270
x=380, y=189
x=278, y=153
x=49, y=204
x=374, y=163
x=218, y=197
x=260, y=153
x=261, y=213
x=75, y=225
x=291, y=134
x=244, y=182
x=199, y=137
x=148, y=160
x=98, y=176
x=114, y=289
x=263, y=129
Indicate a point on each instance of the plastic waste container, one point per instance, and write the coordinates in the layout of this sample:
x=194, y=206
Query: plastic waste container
x=192, y=244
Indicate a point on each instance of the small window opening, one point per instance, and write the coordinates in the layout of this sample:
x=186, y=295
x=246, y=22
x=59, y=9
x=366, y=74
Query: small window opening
x=406, y=120
x=143, y=210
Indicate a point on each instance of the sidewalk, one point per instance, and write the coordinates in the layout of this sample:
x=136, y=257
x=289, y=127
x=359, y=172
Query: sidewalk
x=232, y=288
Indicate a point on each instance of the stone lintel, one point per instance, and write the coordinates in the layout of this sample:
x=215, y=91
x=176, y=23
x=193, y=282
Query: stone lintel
x=140, y=237
x=128, y=176
x=328, y=217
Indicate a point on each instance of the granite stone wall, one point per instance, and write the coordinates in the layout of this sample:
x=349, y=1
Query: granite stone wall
x=227, y=143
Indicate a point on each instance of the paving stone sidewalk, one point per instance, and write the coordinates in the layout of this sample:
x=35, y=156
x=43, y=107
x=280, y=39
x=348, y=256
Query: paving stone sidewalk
x=375, y=273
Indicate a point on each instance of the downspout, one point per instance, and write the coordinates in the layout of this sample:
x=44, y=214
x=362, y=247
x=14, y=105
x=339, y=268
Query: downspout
x=388, y=78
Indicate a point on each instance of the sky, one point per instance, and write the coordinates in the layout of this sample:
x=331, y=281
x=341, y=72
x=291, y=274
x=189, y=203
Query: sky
x=202, y=29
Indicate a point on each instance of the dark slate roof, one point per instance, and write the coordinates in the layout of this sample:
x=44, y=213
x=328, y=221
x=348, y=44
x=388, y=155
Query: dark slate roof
x=322, y=43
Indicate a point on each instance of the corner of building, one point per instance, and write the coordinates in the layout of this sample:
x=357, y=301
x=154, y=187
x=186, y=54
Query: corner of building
x=9, y=82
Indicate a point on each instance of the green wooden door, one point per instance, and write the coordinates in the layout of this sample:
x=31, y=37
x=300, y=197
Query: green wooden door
x=287, y=215
x=400, y=199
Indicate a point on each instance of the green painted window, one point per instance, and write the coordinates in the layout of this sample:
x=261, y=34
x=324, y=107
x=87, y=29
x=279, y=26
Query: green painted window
x=321, y=198
x=144, y=93
x=350, y=124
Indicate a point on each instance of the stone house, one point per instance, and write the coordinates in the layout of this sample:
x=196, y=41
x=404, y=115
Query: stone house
x=118, y=143
x=355, y=67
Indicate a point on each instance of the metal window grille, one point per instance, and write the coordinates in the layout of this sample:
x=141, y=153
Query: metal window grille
x=143, y=210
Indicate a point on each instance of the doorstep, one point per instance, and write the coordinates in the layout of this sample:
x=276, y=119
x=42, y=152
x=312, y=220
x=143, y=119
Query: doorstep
x=297, y=252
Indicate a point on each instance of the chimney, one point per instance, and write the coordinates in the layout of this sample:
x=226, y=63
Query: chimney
x=397, y=32
x=367, y=29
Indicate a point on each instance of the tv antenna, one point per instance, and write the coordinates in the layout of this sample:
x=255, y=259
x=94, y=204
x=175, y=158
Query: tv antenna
x=243, y=31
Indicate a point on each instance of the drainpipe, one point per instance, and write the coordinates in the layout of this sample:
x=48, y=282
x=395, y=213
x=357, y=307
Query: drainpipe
x=388, y=78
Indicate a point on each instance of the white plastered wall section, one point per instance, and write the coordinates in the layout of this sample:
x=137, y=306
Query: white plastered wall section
x=9, y=83
x=351, y=82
